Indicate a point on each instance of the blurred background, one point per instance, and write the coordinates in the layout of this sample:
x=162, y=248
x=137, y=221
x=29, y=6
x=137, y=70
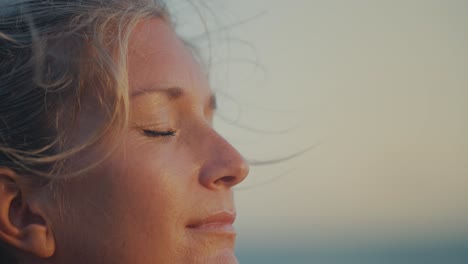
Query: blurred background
x=375, y=93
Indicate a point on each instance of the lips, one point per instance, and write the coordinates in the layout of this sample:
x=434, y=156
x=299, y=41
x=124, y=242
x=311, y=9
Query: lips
x=220, y=222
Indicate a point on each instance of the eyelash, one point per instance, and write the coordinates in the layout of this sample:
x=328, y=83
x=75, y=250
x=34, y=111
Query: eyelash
x=154, y=133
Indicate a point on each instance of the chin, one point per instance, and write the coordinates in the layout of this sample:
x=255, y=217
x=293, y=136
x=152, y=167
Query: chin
x=226, y=259
x=225, y=256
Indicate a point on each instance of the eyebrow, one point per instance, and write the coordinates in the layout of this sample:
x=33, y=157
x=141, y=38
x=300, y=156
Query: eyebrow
x=173, y=93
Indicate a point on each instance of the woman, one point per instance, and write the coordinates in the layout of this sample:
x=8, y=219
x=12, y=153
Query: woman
x=107, y=149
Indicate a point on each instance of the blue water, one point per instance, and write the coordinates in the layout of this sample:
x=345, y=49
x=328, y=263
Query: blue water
x=443, y=254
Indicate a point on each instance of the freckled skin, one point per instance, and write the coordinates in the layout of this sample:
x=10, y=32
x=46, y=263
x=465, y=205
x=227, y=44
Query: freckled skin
x=135, y=207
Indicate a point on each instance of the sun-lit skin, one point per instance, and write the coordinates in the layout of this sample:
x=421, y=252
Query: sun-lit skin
x=137, y=205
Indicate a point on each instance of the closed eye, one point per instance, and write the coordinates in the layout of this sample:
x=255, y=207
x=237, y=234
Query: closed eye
x=155, y=133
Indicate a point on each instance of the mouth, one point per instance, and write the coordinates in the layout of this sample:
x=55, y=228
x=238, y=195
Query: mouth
x=220, y=222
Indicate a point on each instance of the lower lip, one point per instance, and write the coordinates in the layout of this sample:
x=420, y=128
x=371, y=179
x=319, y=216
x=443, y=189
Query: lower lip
x=221, y=228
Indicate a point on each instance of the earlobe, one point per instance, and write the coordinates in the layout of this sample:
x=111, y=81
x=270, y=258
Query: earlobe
x=22, y=223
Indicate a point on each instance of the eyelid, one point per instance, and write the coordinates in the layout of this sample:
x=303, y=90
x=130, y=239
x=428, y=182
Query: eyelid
x=155, y=130
x=159, y=133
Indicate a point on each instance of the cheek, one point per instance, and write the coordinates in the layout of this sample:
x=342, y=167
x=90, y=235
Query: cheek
x=137, y=200
x=161, y=171
x=150, y=187
x=154, y=183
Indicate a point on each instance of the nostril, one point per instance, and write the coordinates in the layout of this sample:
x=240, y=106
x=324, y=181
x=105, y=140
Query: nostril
x=228, y=180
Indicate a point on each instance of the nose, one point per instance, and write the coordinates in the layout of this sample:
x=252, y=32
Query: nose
x=224, y=166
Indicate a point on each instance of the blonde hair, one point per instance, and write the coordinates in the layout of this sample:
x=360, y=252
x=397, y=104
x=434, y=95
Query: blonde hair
x=56, y=58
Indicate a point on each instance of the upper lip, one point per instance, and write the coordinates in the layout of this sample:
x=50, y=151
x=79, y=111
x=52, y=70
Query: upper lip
x=220, y=217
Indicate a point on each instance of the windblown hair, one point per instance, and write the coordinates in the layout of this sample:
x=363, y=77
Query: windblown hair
x=54, y=55
x=58, y=58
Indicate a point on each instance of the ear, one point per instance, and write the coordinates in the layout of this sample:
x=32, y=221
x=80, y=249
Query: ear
x=22, y=222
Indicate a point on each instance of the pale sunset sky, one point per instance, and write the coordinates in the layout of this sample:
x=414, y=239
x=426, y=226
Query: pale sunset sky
x=378, y=89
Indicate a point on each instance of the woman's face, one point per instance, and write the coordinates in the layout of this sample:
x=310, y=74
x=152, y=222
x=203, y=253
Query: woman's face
x=165, y=195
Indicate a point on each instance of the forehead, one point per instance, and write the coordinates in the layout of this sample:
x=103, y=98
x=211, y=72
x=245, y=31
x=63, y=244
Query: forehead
x=158, y=58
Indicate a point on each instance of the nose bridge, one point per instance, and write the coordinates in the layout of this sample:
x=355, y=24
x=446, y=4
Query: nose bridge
x=222, y=166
